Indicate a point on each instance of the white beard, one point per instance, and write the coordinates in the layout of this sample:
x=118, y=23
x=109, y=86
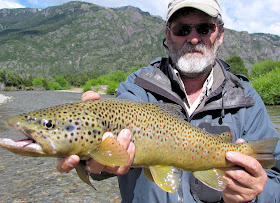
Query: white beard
x=193, y=65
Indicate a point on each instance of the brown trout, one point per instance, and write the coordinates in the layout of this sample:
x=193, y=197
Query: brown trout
x=164, y=141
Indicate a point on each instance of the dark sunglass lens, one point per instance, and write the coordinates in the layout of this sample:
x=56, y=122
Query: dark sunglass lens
x=204, y=28
x=181, y=30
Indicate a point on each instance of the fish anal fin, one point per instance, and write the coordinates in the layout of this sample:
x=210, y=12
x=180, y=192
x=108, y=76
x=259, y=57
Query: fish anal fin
x=166, y=177
x=110, y=153
x=225, y=136
x=148, y=174
x=83, y=174
x=213, y=178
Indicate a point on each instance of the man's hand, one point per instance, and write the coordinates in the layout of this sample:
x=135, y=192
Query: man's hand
x=67, y=164
x=243, y=184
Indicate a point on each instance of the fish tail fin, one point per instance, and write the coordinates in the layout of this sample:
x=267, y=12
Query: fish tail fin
x=264, y=151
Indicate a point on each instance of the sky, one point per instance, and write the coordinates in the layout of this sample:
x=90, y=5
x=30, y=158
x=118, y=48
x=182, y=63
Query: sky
x=253, y=16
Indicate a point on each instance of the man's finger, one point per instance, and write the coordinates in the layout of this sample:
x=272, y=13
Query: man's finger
x=67, y=164
x=124, y=138
x=250, y=164
x=90, y=95
x=94, y=167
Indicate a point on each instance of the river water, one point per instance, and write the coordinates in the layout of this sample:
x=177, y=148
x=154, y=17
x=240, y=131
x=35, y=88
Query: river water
x=26, y=179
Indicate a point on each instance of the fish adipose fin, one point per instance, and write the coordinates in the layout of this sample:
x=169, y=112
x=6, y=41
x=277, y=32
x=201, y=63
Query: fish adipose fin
x=83, y=174
x=110, y=153
x=173, y=109
x=226, y=136
x=264, y=151
x=166, y=177
x=212, y=178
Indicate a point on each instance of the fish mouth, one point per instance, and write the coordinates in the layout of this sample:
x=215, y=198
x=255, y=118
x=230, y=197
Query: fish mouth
x=25, y=146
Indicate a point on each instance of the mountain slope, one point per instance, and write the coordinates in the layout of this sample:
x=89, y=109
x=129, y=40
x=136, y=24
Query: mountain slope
x=80, y=38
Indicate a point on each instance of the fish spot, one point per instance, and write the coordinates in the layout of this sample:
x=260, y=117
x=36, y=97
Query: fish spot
x=185, y=144
x=70, y=128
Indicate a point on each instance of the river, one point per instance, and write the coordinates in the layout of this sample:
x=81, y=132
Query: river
x=26, y=179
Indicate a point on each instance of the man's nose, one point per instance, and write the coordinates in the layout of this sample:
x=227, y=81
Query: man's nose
x=193, y=37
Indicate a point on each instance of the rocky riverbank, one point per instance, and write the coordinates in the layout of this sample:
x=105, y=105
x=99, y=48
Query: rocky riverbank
x=4, y=99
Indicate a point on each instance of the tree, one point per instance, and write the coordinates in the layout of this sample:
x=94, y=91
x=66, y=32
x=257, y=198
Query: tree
x=237, y=65
x=62, y=82
x=27, y=81
x=46, y=84
x=37, y=81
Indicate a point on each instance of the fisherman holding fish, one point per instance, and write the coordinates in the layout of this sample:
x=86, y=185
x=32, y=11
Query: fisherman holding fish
x=212, y=99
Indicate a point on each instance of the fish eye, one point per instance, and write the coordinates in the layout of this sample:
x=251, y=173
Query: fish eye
x=48, y=124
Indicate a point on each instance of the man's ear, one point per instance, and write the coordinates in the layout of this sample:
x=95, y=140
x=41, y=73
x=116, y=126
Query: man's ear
x=222, y=36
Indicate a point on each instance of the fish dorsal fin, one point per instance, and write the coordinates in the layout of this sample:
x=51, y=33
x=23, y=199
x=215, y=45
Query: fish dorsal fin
x=83, y=174
x=173, y=109
x=212, y=178
x=110, y=153
x=166, y=177
x=226, y=136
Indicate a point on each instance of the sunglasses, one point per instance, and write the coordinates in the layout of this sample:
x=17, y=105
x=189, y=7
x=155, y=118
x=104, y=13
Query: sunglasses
x=185, y=29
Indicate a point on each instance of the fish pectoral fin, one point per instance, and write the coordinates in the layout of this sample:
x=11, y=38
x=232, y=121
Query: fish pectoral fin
x=212, y=178
x=83, y=174
x=166, y=177
x=110, y=153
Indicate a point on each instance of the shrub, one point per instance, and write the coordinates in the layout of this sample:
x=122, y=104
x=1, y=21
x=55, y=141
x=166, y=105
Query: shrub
x=37, y=81
x=62, y=82
x=55, y=86
x=268, y=86
x=264, y=67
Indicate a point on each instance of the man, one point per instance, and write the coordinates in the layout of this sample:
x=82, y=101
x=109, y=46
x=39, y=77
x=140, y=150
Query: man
x=211, y=97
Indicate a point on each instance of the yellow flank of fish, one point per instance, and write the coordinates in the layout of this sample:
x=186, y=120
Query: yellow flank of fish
x=164, y=141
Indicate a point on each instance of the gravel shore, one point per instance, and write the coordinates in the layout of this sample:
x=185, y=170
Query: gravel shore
x=4, y=99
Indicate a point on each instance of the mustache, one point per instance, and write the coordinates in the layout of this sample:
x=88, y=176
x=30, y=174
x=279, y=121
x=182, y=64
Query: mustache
x=188, y=47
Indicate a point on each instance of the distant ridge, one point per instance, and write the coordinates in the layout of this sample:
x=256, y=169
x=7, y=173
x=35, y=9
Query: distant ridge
x=80, y=38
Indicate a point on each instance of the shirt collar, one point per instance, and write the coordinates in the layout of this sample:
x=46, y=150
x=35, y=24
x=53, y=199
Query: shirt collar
x=206, y=90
